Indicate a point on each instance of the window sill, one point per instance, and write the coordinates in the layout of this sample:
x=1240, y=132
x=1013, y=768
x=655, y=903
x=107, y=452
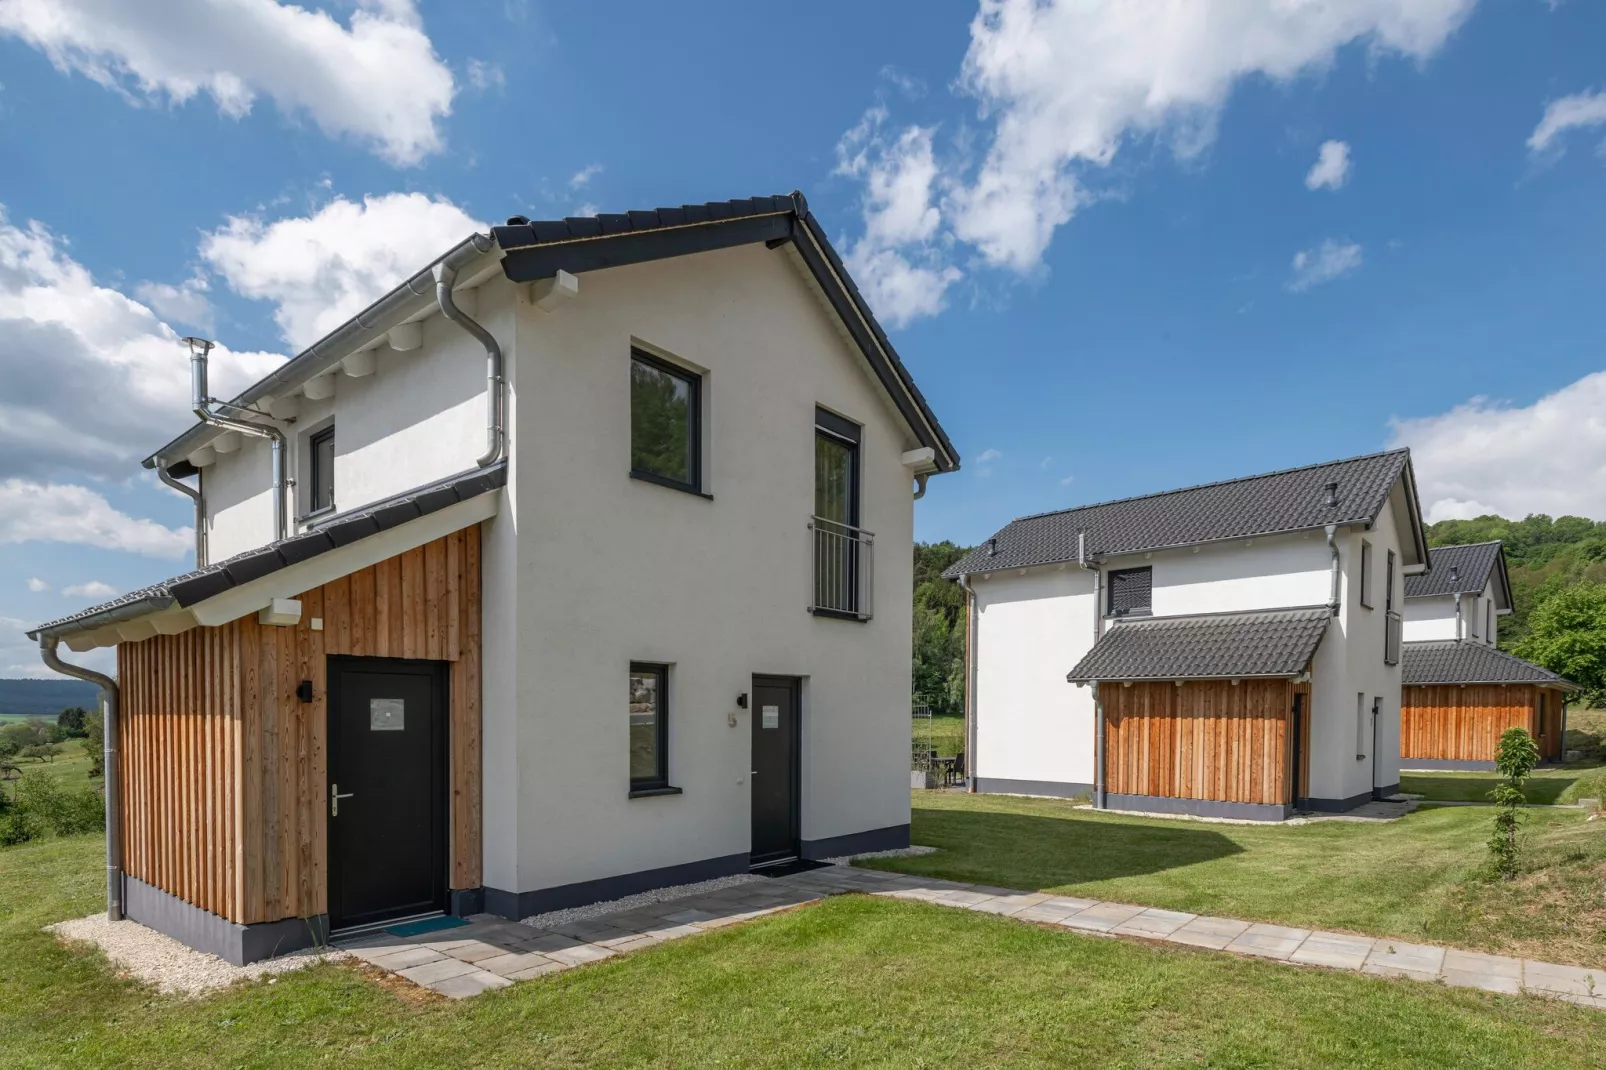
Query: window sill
x=647, y=793
x=837, y=614
x=648, y=477
x=316, y=514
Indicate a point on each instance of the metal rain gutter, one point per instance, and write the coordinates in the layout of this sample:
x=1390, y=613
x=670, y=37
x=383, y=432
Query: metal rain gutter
x=111, y=778
x=445, y=273
x=194, y=493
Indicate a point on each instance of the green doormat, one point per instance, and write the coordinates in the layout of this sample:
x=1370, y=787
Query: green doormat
x=428, y=925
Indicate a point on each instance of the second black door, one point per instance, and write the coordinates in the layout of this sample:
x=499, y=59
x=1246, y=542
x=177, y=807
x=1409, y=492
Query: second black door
x=387, y=789
x=776, y=732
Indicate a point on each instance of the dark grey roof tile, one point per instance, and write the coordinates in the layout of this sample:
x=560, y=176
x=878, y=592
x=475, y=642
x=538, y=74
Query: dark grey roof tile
x=1470, y=563
x=1215, y=646
x=1452, y=661
x=1289, y=500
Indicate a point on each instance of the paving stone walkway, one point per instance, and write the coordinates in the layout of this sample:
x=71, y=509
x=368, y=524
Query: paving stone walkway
x=493, y=953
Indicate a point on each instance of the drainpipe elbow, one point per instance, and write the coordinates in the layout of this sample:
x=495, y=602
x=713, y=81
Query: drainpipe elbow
x=495, y=385
x=1333, y=600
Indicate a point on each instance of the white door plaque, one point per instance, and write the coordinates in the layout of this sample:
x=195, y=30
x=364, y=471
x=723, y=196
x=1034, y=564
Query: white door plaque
x=386, y=715
x=772, y=717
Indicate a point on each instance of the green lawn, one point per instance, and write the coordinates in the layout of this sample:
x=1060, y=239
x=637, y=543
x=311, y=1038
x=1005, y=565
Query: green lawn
x=1545, y=786
x=71, y=767
x=1420, y=878
x=947, y=734
x=852, y=982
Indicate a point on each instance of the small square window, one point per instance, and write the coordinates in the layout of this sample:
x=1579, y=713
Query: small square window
x=1130, y=591
x=322, y=449
x=649, y=726
x=665, y=423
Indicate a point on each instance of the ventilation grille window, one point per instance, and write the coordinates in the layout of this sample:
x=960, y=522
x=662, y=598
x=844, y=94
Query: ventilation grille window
x=1129, y=592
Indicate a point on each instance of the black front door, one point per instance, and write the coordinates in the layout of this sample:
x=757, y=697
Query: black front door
x=775, y=769
x=387, y=789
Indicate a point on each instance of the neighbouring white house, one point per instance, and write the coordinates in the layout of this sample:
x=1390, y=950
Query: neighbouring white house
x=576, y=565
x=1461, y=691
x=1229, y=649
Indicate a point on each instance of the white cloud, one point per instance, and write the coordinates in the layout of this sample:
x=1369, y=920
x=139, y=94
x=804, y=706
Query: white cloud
x=986, y=456
x=186, y=303
x=896, y=261
x=1575, y=112
x=483, y=75
x=1045, y=462
x=1331, y=169
x=322, y=269
x=35, y=584
x=1486, y=456
x=1324, y=263
x=90, y=380
x=376, y=78
x=19, y=655
x=1067, y=481
x=1063, y=87
x=583, y=177
x=65, y=512
x=93, y=589
x=586, y=209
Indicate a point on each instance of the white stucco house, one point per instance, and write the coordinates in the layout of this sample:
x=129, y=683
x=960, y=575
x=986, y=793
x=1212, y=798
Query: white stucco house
x=1229, y=649
x=1462, y=597
x=576, y=565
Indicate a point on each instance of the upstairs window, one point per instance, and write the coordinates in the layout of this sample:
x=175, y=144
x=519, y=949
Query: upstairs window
x=841, y=548
x=665, y=423
x=1388, y=590
x=1488, y=621
x=1472, y=619
x=322, y=471
x=1130, y=590
x=1366, y=574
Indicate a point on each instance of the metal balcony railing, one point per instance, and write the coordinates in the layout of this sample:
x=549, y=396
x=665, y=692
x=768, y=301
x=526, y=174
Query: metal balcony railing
x=1393, y=634
x=844, y=569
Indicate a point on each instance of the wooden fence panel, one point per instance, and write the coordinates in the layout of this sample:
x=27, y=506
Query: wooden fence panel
x=1207, y=739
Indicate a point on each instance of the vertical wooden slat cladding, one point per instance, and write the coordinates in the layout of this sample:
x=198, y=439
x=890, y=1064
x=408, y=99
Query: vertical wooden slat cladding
x=1452, y=722
x=225, y=770
x=1208, y=739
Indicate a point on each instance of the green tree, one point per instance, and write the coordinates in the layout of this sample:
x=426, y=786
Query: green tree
x=94, y=745
x=1516, y=756
x=937, y=674
x=70, y=722
x=1567, y=635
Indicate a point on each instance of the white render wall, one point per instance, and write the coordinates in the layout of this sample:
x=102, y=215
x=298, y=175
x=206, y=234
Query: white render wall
x=611, y=570
x=419, y=417
x=1434, y=618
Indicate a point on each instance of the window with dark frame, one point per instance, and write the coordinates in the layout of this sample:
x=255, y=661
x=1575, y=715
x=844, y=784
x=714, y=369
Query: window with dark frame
x=1488, y=621
x=665, y=423
x=1472, y=618
x=649, y=727
x=1130, y=591
x=838, y=551
x=322, y=470
x=1366, y=575
x=1388, y=591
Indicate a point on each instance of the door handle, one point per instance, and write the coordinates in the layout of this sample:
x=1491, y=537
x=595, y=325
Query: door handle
x=334, y=799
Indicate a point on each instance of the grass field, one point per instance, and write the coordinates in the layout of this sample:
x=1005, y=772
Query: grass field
x=852, y=982
x=947, y=734
x=1420, y=878
x=1547, y=786
x=71, y=767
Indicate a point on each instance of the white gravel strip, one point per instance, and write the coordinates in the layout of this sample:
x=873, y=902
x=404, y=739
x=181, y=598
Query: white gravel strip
x=640, y=899
x=897, y=852
x=173, y=968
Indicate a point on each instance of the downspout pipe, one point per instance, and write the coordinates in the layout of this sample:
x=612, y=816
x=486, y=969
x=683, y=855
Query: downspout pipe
x=194, y=493
x=1333, y=601
x=202, y=403
x=112, y=780
x=495, y=377
x=970, y=683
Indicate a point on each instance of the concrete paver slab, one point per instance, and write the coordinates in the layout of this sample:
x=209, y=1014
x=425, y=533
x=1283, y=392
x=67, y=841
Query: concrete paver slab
x=1154, y=923
x=1396, y=958
x=1473, y=969
x=1268, y=941
x=1563, y=980
x=431, y=972
x=1101, y=917
x=408, y=957
x=1206, y=931
x=469, y=984
x=1339, y=951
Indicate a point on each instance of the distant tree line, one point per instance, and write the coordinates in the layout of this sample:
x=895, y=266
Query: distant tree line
x=1558, y=591
x=939, y=630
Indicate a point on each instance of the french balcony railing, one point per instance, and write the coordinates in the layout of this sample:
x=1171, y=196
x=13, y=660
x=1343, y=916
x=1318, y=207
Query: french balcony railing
x=844, y=569
x=1394, y=633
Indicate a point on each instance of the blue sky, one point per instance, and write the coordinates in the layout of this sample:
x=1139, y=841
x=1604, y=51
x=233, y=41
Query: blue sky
x=1084, y=227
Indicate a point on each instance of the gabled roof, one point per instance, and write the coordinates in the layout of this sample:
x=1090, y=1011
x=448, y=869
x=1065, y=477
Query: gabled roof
x=339, y=530
x=1457, y=661
x=531, y=250
x=1461, y=570
x=1294, y=499
x=1214, y=646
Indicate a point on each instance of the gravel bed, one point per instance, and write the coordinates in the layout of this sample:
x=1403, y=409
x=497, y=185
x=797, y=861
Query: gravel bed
x=173, y=968
x=640, y=899
x=896, y=852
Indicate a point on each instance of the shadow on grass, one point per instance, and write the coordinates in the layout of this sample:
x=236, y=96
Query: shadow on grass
x=1437, y=787
x=1026, y=851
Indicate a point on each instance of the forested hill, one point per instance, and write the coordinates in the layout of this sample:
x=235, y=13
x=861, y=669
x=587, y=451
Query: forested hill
x=1544, y=556
x=46, y=698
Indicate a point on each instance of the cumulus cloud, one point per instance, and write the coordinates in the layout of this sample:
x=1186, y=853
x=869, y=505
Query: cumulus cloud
x=65, y=512
x=90, y=380
x=582, y=178
x=375, y=78
x=93, y=589
x=19, y=655
x=1063, y=86
x=1331, y=169
x=36, y=585
x=1487, y=456
x=186, y=303
x=1579, y=111
x=321, y=269
x=1323, y=263
x=898, y=260
x=483, y=75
